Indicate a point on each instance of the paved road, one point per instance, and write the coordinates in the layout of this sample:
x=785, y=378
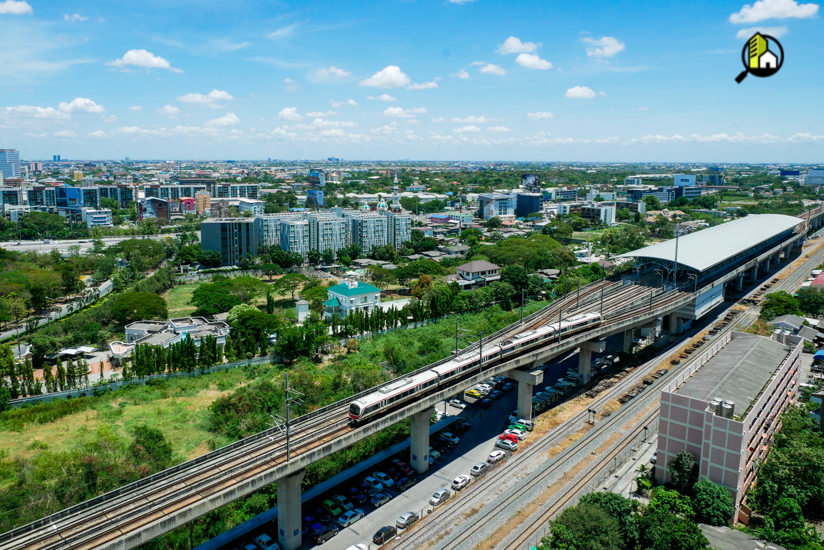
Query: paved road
x=84, y=244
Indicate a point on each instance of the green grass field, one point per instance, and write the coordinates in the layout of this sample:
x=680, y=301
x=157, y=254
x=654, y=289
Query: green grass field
x=177, y=300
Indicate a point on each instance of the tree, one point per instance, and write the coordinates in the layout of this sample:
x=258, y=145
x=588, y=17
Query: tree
x=270, y=270
x=811, y=301
x=424, y=282
x=683, y=471
x=668, y=532
x=314, y=257
x=290, y=283
x=557, y=230
x=620, y=509
x=16, y=309
x=779, y=303
x=712, y=504
x=493, y=223
x=584, y=527
x=210, y=258
x=237, y=310
x=328, y=256
x=516, y=276
x=652, y=202
x=622, y=214
x=134, y=306
x=150, y=447
x=381, y=277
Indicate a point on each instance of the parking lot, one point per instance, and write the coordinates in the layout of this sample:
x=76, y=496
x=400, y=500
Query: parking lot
x=485, y=425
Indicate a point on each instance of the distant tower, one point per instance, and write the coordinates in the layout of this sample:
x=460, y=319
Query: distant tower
x=396, y=200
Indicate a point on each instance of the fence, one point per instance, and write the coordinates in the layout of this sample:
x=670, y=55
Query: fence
x=102, y=387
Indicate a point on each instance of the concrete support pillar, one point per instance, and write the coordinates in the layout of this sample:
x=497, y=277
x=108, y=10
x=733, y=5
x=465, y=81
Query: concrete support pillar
x=526, y=381
x=754, y=273
x=628, y=334
x=419, y=445
x=289, y=511
x=767, y=266
x=673, y=324
x=740, y=285
x=585, y=359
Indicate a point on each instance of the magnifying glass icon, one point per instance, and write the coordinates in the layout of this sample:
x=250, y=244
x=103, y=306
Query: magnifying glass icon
x=758, y=59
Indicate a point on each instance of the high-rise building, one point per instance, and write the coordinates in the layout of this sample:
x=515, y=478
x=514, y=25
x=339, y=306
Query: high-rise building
x=56, y=158
x=496, y=204
x=124, y=194
x=153, y=208
x=203, y=202
x=41, y=196
x=10, y=163
x=527, y=203
x=328, y=232
x=317, y=177
x=399, y=228
x=369, y=231
x=268, y=227
x=532, y=182
x=814, y=176
x=294, y=236
x=314, y=198
x=234, y=238
x=11, y=195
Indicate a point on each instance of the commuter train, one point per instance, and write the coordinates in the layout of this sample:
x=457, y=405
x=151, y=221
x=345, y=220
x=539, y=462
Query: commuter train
x=405, y=389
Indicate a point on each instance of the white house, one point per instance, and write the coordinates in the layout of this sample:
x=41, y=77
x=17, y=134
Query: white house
x=768, y=60
x=351, y=296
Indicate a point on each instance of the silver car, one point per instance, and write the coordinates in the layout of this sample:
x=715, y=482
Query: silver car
x=440, y=497
x=407, y=520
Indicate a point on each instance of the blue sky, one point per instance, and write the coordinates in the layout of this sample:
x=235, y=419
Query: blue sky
x=422, y=79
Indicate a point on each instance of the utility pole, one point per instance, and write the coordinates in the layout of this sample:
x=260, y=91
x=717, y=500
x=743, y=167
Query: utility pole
x=675, y=272
x=457, y=330
x=560, y=311
x=578, y=295
x=481, y=354
x=602, y=301
x=289, y=399
x=522, y=306
x=650, y=300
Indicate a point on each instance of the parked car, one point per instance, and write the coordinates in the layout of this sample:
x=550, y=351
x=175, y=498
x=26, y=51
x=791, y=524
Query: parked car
x=654, y=458
x=369, y=489
x=434, y=453
x=312, y=523
x=457, y=403
x=496, y=456
x=450, y=438
x=250, y=546
x=375, y=483
x=460, y=425
x=514, y=416
x=407, y=520
x=509, y=386
x=356, y=494
x=357, y=547
x=384, y=534
x=343, y=502
x=394, y=474
x=528, y=424
x=479, y=469
x=460, y=482
x=332, y=508
x=384, y=479
x=325, y=534
x=350, y=517
x=474, y=394
x=403, y=467
x=496, y=394
x=405, y=483
x=440, y=497
x=507, y=445
x=266, y=542
x=322, y=515
x=486, y=403
x=521, y=435
x=380, y=499
x=519, y=427
x=508, y=437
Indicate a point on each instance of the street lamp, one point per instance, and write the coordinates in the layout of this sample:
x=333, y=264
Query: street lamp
x=694, y=277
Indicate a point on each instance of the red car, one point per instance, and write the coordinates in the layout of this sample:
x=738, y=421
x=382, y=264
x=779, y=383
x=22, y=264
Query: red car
x=403, y=467
x=509, y=437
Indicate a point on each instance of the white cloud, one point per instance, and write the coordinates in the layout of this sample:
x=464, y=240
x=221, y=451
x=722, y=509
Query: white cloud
x=337, y=104
x=11, y=7
x=471, y=120
x=390, y=77
x=135, y=108
x=466, y=130
x=291, y=85
x=229, y=119
x=606, y=46
x=462, y=74
x=37, y=112
x=640, y=109
x=81, y=105
x=321, y=113
x=325, y=75
x=209, y=100
x=498, y=129
x=399, y=112
x=98, y=134
x=291, y=114
x=514, y=45
x=385, y=130
x=580, y=92
x=773, y=9
x=489, y=68
x=65, y=134
x=438, y=120
x=282, y=32
x=424, y=85
x=351, y=102
x=74, y=17
x=532, y=61
x=602, y=94
x=110, y=118
x=539, y=115
x=777, y=32
x=143, y=59
x=383, y=97
x=168, y=110
x=332, y=132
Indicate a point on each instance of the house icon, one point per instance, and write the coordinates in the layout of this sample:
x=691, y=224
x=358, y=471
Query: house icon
x=767, y=60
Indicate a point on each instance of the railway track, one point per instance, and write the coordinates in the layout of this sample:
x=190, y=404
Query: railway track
x=566, y=459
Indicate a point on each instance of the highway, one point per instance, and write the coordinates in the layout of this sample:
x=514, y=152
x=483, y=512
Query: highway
x=452, y=528
x=85, y=245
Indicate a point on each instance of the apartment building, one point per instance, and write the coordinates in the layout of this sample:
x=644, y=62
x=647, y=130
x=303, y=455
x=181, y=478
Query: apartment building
x=124, y=194
x=11, y=195
x=234, y=238
x=267, y=227
x=253, y=206
x=172, y=192
x=294, y=236
x=154, y=208
x=328, y=232
x=399, y=228
x=724, y=409
x=203, y=202
x=369, y=231
x=41, y=196
x=97, y=218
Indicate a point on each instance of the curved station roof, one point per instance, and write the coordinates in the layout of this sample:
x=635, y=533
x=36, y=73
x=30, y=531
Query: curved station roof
x=704, y=249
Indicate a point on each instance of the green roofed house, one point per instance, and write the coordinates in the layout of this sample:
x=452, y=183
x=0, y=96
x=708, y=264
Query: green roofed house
x=350, y=296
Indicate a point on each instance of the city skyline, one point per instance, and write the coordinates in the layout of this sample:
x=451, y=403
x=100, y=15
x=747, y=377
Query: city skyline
x=436, y=80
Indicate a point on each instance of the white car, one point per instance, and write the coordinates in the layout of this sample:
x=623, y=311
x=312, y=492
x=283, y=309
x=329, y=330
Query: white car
x=517, y=433
x=266, y=542
x=496, y=456
x=357, y=547
x=528, y=424
x=377, y=485
x=383, y=478
x=460, y=482
x=506, y=444
x=349, y=517
x=450, y=438
x=434, y=454
x=457, y=403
